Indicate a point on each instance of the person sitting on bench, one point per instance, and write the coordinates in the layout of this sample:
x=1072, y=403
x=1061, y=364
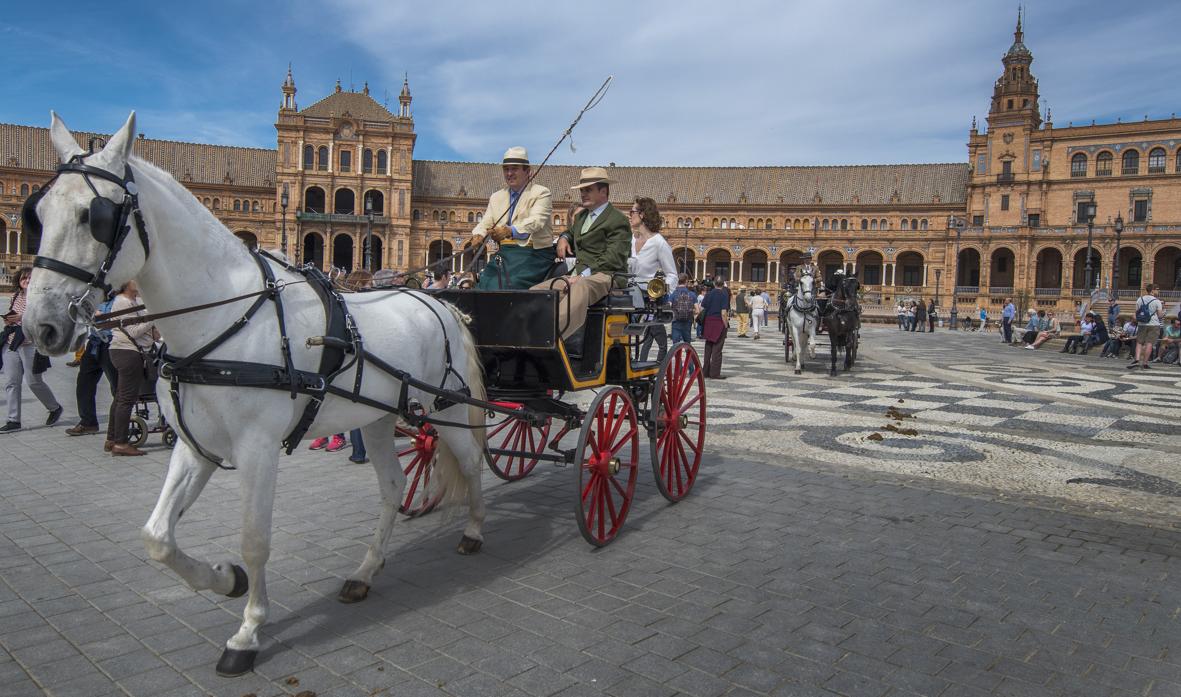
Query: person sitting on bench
x=599, y=237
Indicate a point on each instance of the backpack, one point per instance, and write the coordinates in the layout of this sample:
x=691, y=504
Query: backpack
x=683, y=303
x=1144, y=312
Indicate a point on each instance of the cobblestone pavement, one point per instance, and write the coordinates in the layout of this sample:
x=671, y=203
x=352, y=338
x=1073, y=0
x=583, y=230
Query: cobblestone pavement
x=1025, y=540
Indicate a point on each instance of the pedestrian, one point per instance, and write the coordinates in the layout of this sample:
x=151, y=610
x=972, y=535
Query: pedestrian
x=1149, y=312
x=684, y=303
x=931, y=314
x=714, y=308
x=699, y=318
x=983, y=318
x=920, y=315
x=758, y=312
x=22, y=363
x=909, y=326
x=742, y=310
x=1007, y=316
x=650, y=255
x=128, y=348
x=95, y=362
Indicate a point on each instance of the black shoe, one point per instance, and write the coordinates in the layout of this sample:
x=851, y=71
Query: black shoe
x=1133, y=366
x=1074, y=349
x=10, y=427
x=53, y=416
x=1064, y=350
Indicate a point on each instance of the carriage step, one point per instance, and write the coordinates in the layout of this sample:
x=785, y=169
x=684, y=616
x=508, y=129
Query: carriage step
x=638, y=366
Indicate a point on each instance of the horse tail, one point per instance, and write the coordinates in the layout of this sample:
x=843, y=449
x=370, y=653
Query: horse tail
x=450, y=479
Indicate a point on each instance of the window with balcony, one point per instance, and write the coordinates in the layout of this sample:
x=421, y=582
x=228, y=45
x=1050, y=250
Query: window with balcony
x=322, y=158
x=1140, y=210
x=1078, y=165
x=346, y=160
x=382, y=161
x=977, y=221
x=367, y=161
x=1035, y=220
x=1103, y=164
x=1131, y=162
x=309, y=157
x=1156, y=161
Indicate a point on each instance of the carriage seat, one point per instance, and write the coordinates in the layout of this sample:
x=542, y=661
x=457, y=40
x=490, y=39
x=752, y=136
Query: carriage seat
x=617, y=299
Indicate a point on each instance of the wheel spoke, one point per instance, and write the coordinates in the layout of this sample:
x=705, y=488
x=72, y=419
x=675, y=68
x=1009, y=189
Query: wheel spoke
x=696, y=398
x=611, y=505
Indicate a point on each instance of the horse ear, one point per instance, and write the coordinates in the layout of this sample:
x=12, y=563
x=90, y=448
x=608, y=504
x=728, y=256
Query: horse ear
x=63, y=141
x=121, y=144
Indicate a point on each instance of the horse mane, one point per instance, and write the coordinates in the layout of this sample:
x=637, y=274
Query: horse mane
x=195, y=210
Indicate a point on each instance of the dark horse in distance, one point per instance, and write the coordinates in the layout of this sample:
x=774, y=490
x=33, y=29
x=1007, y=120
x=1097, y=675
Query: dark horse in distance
x=842, y=320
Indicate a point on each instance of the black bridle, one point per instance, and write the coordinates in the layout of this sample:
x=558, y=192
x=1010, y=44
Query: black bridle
x=108, y=222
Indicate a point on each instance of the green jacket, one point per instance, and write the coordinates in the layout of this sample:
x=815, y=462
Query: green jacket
x=605, y=247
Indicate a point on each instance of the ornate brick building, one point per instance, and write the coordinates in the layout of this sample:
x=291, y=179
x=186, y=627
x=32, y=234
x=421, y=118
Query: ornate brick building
x=346, y=165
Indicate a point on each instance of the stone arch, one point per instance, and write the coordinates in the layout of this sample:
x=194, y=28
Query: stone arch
x=717, y=263
x=1131, y=267
x=685, y=259
x=1002, y=268
x=342, y=251
x=377, y=199
x=968, y=268
x=436, y=250
x=344, y=202
x=313, y=200
x=828, y=262
x=1079, y=274
x=789, y=259
x=1048, y=268
x=1166, y=267
x=754, y=266
x=376, y=250
x=313, y=249
x=908, y=269
x=870, y=264
x=248, y=238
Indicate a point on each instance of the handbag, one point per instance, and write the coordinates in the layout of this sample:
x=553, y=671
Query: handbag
x=149, y=356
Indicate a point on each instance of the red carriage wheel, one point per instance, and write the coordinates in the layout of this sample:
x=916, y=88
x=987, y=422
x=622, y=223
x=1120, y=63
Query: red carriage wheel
x=418, y=460
x=678, y=417
x=608, y=458
x=519, y=435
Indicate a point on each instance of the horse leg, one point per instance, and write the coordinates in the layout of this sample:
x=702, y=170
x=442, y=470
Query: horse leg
x=461, y=454
x=379, y=442
x=187, y=476
x=832, y=352
x=796, y=335
x=258, y=501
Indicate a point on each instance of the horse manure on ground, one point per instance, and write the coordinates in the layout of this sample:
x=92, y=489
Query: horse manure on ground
x=305, y=693
x=902, y=431
x=897, y=414
x=875, y=436
x=293, y=681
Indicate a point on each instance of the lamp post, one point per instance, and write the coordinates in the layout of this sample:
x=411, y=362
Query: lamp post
x=685, y=250
x=1089, y=212
x=442, y=225
x=284, y=199
x=1119, y=231
x=958, y=224
x=938, y=274
x=368, y=259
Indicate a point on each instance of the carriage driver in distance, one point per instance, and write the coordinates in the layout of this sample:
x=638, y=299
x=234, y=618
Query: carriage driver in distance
x=519, y=219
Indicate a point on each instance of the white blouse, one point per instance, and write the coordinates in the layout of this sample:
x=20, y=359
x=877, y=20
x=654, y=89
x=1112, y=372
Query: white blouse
x=654, y=256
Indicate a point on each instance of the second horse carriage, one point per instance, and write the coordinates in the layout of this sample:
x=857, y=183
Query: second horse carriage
x=530, y=375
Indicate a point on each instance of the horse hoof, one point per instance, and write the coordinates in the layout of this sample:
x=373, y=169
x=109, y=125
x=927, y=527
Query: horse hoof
x=469, y=545
x=241, y=583
x=353, y=591
x=799, y=372
x=234, y=663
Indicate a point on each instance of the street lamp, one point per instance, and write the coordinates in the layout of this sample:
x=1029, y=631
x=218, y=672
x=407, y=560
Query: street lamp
x=442, y=225
x=1119, y=231
x=368, y=234
x=685, y=250
x=938, y=275
x=284, y=199
x=958, y=224
x=1089, y=212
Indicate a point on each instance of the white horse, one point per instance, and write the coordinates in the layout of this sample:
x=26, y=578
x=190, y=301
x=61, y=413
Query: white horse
x=802, y=319
x=191, y=259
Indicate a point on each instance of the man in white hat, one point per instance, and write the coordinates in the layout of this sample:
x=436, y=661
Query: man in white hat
x=599, y=237
x=519, y=219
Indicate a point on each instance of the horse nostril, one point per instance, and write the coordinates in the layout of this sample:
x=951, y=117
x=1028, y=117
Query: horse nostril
x=48, y=334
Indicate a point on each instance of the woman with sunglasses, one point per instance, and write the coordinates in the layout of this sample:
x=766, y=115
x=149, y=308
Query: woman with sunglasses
x=19, y=363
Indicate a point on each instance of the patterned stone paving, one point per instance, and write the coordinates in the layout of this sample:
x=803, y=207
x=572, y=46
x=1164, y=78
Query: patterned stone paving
x=1025, y=541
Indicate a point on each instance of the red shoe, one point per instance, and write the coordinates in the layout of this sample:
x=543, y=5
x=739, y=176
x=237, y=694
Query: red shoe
x=337, y=443
x=318, y=444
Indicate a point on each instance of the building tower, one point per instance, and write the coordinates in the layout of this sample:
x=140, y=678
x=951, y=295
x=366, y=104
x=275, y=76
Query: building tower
x=404, y=98
x=1015, y=95
x=288, y=103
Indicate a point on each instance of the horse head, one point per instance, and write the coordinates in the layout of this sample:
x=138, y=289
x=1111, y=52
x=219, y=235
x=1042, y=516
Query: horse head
x=807, y=285
x=83, y=215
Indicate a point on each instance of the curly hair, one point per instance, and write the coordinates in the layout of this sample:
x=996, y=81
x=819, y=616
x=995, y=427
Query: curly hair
x=649, y=214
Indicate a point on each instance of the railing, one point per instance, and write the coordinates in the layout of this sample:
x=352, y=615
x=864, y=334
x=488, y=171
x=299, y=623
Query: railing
x=1004, y=178
x=1169, y=294
x=1103, y=173
x=339, y=218
x=1159, y=169
x=1047, y=292
x=1000, y=290
x=967, y=289
x=1079, y=293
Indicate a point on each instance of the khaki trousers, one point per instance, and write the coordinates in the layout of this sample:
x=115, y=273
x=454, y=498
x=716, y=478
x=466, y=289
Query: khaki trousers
x=586, y=290
x=743, y=323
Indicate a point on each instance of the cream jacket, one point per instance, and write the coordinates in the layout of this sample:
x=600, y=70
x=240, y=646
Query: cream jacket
x=533, y=216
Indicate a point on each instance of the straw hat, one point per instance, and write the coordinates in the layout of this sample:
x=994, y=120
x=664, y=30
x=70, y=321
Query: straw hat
x=515, y=155
x=593, y=175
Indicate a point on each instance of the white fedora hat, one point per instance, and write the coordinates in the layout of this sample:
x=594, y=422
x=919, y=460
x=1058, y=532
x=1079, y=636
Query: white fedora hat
x=593, y=175
x=515, y=155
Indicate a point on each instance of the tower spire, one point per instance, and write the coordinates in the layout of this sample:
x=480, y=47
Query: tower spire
x=404, y=98
x=288, y=103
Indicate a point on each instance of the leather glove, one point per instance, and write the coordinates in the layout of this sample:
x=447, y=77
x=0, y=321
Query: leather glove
x=500, y=233
x=472, y=241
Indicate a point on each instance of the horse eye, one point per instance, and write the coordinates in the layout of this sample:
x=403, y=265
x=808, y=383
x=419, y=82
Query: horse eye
x=84, y=217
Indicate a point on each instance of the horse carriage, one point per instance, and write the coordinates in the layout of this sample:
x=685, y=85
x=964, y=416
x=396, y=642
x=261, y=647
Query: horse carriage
x=529, y=371
x=806, y=314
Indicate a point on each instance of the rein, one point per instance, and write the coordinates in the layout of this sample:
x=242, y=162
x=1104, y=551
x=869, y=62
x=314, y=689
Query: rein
x=108, y=321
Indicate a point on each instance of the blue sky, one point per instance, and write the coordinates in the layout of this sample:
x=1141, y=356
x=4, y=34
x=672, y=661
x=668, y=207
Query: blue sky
x=747, y=82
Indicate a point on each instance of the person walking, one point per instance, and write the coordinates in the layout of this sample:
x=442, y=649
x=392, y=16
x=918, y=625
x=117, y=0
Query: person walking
x=128, y=346
x=1149, y=312
x=684, y=303
x=742, y=309
x=95, y=362
x=22, y=363
x=715, y=308
x=1007, y=316
x=758, y=312
x=932, y=314
x=920, y=316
